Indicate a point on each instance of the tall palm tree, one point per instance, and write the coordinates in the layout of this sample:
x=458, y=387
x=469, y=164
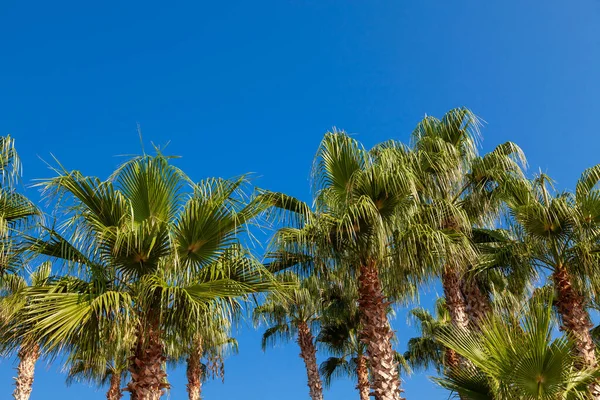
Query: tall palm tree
x=361, y=201
x=561, y=233
x=148, y=248
x=295, y=316
x=517, y=361
x=458, y=189
x=14, y=299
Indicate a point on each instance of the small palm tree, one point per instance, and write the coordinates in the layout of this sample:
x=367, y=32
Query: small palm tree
x=206, y=360
x=108, y=365
x=516, y=361
x=349, y=359
x=425, y=351
x=205, y=349
x=296, y=315
x=339, y=336
x=14, y=292
x=103, y=370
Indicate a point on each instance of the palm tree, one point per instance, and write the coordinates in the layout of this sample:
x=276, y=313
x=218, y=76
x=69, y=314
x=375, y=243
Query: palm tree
x=502, y=293
x=206, y=361
x=204, y=351
x=501, y=270
x=109, y=362
x=16, y=211
x=457, y=190
x=295, y=316
x=103, y=369
x=147, y=248
x=339, y=336
x=425, y=351
x=362, y=198
x=561, y=235
x=14, y=299
x=516, y=361
x=349, y=359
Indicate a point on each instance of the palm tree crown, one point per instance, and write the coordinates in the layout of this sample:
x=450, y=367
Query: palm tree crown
x=517, y=358
x=150, y=250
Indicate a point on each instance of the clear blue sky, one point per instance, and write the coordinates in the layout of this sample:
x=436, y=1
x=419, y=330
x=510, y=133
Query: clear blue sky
x=251, y=86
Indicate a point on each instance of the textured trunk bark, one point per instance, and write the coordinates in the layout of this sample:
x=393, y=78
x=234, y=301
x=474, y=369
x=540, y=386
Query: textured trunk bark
x=364, y=387
x=477, y=304
x=114, y=391
x=147, y=376
x=576, y=321
x=377, y=334
x=455, y=302
x=308, y=352
x=194, y=371
x=28, y=355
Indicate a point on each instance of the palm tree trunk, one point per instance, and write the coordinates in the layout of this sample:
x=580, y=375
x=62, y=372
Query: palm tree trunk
x=576, y=321
x=364, y=387
x=477, y=304
x=377, y=334
x=194, y=371
x=308, y=352
x=147, y=376
x=28, y=355
x=114, y=391
x=455, y=302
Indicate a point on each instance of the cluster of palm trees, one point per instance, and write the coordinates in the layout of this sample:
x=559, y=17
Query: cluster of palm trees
x=148, y=268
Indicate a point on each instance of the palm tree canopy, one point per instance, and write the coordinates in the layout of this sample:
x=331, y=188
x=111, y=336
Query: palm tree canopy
x=147, y=243
x=424, y=351
x=457, y=190
x=283, y=313
x=15, y=297
x=17, y=212
x=517, y=360
x=361, y=200
x=558, y=229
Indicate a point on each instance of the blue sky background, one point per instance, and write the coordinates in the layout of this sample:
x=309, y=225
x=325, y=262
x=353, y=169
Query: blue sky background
x=244, y=86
